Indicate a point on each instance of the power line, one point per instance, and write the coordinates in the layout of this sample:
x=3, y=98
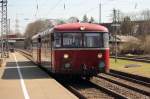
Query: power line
x=99, y=6
x=44, y=3
x=91, y=9
x=80, y=3
x=37, y=9
x=54, y=7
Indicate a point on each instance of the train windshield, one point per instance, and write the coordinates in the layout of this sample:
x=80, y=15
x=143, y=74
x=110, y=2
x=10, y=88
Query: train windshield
x=72, y=40
x=92, y=40
x=79, y=40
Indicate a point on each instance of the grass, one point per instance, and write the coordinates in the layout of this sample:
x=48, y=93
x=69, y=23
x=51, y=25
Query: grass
x=143, y=69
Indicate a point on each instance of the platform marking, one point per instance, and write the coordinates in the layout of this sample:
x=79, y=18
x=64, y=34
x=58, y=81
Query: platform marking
x=24, y=89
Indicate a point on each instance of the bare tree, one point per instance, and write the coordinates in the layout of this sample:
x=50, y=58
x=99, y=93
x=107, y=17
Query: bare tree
x=145, y=25
x=73, y=20
x=34, y=28
x=127, y=26
x=91, y=20
x=137, y=24
x=142, y=21
x=147, y=44
x=37, y=26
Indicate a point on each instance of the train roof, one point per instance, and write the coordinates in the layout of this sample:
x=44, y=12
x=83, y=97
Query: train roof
x=42, y=33
x=73, y=27
x=80, y=27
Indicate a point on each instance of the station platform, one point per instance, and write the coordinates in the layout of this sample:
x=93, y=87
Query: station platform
x=21, y=79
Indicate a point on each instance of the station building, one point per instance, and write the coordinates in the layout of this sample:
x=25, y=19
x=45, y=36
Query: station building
x=15, y=42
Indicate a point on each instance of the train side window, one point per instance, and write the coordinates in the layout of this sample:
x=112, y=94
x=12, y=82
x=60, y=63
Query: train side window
x=52, y=37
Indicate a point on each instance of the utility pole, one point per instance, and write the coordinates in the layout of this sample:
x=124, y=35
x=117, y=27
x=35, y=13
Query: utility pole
x=100, y=12
x=118, y=16
x=118, y=21
x=9, y=26
x=115, y=32
x=17, y=25
x=4, y=30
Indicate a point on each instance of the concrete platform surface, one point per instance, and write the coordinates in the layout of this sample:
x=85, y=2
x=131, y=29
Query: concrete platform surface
x=21, y=79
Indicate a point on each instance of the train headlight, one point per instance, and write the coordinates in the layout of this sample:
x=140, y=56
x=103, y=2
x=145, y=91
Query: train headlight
x=66, y=56
x=99, y=55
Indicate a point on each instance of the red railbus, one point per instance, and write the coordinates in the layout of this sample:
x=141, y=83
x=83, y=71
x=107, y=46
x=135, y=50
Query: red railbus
x=73, y=49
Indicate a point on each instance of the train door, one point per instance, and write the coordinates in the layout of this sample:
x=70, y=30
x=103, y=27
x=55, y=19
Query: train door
x=39, y=50
x=51, y=49
x=47, y=53
x=34, y=50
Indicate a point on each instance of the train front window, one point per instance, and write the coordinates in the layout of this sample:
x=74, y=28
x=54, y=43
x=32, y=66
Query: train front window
x=106, y=40
x=93, y=40
x=72, y=40
x=57, y=40
x=80, y=40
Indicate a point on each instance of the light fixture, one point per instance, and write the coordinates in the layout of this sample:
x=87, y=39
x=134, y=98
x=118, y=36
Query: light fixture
x=66, y=56
x=99, y=55
x=82, y=28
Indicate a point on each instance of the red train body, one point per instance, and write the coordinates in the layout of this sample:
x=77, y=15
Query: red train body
x=73, y=49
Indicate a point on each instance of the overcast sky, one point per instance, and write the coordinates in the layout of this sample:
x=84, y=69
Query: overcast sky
x=27, y=11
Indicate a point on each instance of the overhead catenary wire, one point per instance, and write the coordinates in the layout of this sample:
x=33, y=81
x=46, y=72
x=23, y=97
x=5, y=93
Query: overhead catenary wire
x=92, y=9
x=79, y=4
x=37, y=9
x=64, y=7
x=44, y=3
x=54, y=7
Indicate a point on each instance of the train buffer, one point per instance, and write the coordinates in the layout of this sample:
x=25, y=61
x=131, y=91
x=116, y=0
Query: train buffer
x=21, y=79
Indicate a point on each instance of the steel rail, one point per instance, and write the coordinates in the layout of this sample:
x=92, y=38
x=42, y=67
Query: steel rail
x=125, y=85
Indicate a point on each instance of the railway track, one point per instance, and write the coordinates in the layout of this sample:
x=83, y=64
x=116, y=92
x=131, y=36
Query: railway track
x=102, y=87
x=88, y=90
x=131, y=77
x=85, y=89
x=126, y=83
x=122, y=90
x=139, y=59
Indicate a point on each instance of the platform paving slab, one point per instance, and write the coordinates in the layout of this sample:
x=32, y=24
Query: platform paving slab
x=37, y=83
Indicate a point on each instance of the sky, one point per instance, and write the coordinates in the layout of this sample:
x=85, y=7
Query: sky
x=26, y=11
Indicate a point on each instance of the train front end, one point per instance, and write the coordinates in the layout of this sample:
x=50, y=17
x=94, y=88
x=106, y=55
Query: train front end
x=80, y=49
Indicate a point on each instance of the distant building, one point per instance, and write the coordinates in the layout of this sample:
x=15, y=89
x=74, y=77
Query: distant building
x=15, y=42
x=120, y=41
x=137, y=28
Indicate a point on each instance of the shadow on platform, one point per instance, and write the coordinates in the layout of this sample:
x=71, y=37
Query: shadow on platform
x=21, y=64
x=28, y=71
